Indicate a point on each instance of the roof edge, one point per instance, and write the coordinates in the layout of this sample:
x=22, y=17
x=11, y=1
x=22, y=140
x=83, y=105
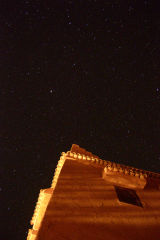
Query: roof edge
x=78, y=153
x=76, y=148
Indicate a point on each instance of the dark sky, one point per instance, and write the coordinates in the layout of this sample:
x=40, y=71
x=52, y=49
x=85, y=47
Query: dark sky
x=85, y=72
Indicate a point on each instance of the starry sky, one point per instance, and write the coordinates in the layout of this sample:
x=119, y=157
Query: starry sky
x=84, y=72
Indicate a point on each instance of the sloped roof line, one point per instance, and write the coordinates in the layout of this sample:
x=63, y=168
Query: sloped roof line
x=94, y=160
x=112, y=166
x=40, y=204
x=58, y=169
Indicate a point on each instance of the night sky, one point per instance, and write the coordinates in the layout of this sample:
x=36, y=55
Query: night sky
x=84, y=72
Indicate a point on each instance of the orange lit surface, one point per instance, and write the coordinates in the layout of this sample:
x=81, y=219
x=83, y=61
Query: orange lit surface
x=82, y=204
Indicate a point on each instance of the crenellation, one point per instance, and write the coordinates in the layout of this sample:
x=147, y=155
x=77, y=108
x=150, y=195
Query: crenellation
x=136, y=174
x=97, y=160
x=121, y=170
x=109, y=168
x=145, y=175
x=101, y=162
x=79, y=156
x=93, y=159
x=37, y=207
x=141, y=176
x=58, y=170
x=104, y=163
x=63, y=154
x=126, y=170
x=132, y=172
x=71, y=154
x=115, y=169
x=114, y=174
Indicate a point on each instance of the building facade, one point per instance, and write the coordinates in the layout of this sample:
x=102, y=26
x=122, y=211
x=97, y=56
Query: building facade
x=95, y=199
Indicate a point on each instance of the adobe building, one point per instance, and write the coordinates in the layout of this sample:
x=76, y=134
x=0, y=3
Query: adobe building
x=95, y=199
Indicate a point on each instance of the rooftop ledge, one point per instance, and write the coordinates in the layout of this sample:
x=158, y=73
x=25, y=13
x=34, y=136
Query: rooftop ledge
x=120, y=179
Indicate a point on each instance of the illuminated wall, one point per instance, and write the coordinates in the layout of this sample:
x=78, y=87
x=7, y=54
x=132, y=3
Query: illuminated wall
x=95, y=199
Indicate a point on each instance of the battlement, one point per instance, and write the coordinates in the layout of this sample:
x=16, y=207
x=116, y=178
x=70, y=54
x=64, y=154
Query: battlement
x=113, y=174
